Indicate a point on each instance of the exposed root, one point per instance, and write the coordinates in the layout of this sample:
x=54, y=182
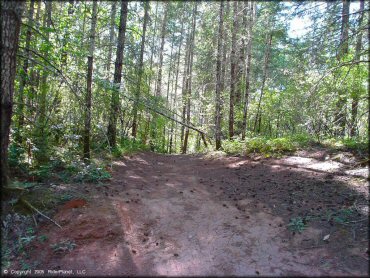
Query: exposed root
x=27, y=204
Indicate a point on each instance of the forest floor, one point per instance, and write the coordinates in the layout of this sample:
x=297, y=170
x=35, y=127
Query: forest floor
x=196, y=215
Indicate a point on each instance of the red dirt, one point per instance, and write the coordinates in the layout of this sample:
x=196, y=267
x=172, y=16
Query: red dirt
x=75, y=204
x=188, y=215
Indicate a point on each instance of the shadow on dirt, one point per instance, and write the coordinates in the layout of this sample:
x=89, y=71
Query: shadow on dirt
x=186, y=215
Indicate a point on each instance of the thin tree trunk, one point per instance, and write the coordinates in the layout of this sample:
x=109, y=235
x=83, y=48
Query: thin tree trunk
x=140, y=74
x=184, y=86
x=340, y=115
x=189, y=78
x=248, y=69
x=168, y=87
x=90, y=61
x=233, y=71
x=24, y=75
x=112, y=126
x=11, y=12
x=355, y=98
x=41, y=136
x=163, y=35
x=111, y=36
x=35, y=74
x=218, y=79
x=267, y=56
x=153, y=44
x=176, y=83
x=241, y=46
x=224, y=48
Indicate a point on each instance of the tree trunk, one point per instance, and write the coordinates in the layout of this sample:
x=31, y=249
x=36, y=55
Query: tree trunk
x=241, y=57
x=169, y=80
x=90, y=61
x=141, y=62
x=35, y=73
x=267, y=57
x=112, y=126
x=163, y=35
x=340, y=115
x=41, y=136
x=189, y=78
x=24, y=74
x=218, y=79
x=184, y=86
x=248, y=69
x=224, y=48
x=11, y=12
x=153, y=45
x=355, y=98
x=233, y=72
x=111, y=36
x=176, y=83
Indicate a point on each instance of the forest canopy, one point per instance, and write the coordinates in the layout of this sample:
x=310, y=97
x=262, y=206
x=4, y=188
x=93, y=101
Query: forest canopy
x=108, y=77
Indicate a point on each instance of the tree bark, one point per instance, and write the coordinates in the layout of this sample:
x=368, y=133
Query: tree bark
x=233, y=72
x=176, y=83
x=224, y=48
x=189, y=78
x=355, y=98
x=184, y=86
x=140, y=73
x=248, y=68
x=153, y=45
x=340, y=115
x=112, y=126
x=90, y=61
x=11, y=12
x=163, y=35
x=265, y=67
x=218, y=79
x=24, y=74
x=41, y=137
x=111, y=36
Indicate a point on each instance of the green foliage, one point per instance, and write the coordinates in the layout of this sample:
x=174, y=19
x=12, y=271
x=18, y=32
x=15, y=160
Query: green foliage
x=5, y=257
x=128, y=146
x=354, y=144
x=92, y=173
x=63, y=246
x=66, y=197
x=42, y=238
x=81, y=172
x=340, y=216
x=266, y=146
x=16, y=156
x=25, y=240
x=297, y=224
x=42, y=172
x=24, y=185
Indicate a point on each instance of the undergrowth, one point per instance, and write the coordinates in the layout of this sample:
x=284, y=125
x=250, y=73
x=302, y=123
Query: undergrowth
x=285, y=145
x=127, y=147
x=265, y=145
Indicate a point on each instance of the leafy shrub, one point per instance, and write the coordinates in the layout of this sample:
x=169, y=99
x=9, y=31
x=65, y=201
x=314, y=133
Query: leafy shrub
x=16, y=155
x=128, y=146
x=266, y=146
x=42, y=172
x=92, y=173
x=233, y=147
x=353, y=144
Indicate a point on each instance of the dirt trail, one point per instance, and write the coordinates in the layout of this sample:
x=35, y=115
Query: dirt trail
x=187, y=215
